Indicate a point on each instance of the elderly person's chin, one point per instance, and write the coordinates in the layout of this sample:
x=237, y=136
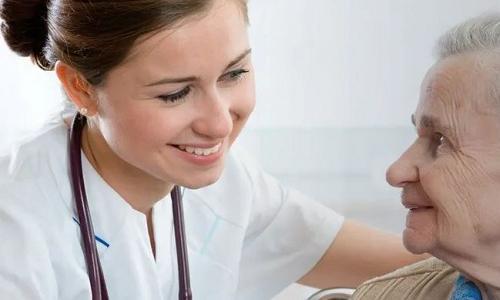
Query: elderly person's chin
x=418, y=241
x=420, y=233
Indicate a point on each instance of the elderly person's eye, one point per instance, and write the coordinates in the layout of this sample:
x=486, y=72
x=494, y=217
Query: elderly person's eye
x=440, y=142
x=440, y=139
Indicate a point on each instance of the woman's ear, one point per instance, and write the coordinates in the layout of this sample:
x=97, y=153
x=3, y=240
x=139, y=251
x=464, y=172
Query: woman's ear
x=77, y=88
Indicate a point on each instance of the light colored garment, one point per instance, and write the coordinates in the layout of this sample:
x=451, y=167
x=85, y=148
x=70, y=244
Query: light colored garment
x=431, y=279
x=248, y=237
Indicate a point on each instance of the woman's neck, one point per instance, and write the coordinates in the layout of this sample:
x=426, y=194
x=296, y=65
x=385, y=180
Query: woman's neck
x=135, y=186
x=482, y=267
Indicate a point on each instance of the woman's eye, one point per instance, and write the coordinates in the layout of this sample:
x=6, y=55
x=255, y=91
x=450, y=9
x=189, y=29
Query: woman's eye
x=175, y=97
x=234, y=75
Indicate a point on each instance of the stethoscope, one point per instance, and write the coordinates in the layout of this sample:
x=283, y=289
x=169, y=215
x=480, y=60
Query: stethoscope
x=96, y=277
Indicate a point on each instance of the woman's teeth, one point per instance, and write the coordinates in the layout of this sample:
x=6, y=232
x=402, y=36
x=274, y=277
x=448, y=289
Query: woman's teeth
x=200, y=151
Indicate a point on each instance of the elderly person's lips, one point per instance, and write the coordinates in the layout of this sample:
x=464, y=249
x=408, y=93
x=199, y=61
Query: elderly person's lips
x=415, y=206
x=414, y=201
x=413, y=198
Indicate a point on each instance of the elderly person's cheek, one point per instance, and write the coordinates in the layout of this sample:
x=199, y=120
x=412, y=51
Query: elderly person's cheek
x=486, y=204
x=448, y=185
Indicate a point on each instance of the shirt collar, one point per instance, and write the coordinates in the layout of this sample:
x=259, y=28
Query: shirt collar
x=108, y=210
x=465, y=290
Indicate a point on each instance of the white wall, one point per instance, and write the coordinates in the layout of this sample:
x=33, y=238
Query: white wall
x=346, y=63
x=27, y=95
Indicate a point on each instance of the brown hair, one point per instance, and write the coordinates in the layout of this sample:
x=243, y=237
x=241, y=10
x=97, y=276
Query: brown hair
x=93, y=36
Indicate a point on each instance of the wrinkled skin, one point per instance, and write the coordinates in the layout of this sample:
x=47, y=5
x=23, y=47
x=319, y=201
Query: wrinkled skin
x=450, y=175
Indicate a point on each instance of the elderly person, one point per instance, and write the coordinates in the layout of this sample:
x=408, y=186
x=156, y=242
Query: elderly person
x=450, y=175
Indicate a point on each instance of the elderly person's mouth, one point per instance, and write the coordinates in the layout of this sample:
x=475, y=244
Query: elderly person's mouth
x=415, y=199
x=415, y=207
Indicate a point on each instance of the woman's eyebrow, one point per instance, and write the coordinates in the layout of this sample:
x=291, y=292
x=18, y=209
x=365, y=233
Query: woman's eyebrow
x=194, y=78
x=173, y=80
x=239, y=58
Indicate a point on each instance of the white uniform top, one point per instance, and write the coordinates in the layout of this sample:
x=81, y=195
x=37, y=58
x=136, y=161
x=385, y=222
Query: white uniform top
x=248, y=236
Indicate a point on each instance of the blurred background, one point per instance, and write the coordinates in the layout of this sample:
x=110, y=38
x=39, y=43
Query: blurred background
x=337, y=82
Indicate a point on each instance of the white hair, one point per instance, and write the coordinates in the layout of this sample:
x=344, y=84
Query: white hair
x=476, y=34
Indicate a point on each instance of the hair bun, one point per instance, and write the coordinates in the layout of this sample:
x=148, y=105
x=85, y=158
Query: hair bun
x=24, y=27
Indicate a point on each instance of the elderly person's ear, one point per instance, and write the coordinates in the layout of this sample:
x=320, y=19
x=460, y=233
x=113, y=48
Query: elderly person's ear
x=77, y=88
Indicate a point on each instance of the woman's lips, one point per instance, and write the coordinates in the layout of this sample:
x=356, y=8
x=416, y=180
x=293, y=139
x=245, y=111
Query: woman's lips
x=204, y=150
x=202, y=155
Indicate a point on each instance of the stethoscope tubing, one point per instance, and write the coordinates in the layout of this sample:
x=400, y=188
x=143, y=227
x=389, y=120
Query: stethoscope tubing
x=180, y=244
x=94, y=269
x=97, y=282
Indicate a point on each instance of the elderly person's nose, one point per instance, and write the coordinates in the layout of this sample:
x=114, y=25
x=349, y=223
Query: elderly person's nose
x=402, y=171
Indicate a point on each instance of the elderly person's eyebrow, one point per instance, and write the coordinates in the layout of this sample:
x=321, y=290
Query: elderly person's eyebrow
x=429, y=122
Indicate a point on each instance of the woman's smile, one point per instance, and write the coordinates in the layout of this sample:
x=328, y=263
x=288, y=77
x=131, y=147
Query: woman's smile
x=200, y=154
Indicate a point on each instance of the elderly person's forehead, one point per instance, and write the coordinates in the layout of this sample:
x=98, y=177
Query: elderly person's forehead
x=470, y=70
x=470, y=80
x=455, y=89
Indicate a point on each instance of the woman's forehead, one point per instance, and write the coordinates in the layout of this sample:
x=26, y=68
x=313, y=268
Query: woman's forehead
x=215, y=38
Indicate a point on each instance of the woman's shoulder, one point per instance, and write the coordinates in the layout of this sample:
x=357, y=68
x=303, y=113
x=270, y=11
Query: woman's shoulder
x=33, y=215
x=428, y=279
x=33, y=171
x=26, y=157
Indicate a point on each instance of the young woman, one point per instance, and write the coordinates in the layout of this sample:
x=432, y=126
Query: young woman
x=163, y=88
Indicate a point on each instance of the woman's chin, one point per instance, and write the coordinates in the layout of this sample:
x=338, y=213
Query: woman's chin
x=416, y=242
x=200, y=182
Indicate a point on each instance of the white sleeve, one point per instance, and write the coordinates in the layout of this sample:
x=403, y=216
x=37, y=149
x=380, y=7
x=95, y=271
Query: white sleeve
x=25, y=267
x=287, y=235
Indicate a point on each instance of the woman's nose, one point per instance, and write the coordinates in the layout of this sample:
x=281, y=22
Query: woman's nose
x=214, y=119
x=402, y=171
